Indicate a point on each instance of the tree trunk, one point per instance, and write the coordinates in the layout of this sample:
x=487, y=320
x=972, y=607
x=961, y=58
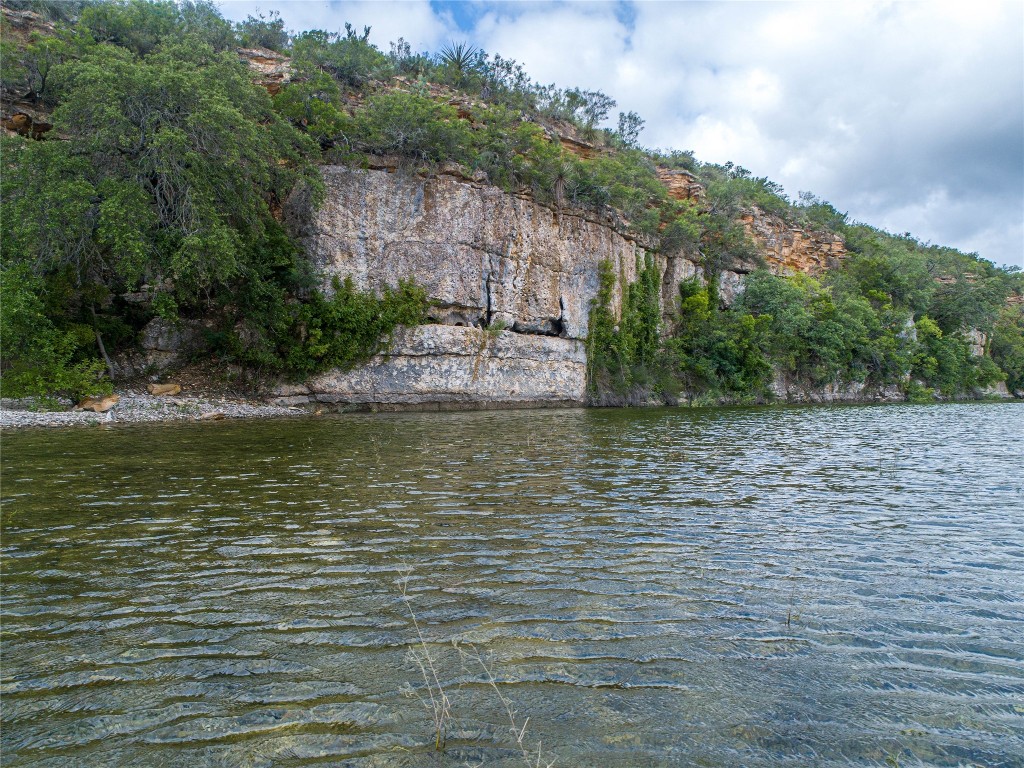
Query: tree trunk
x=99, y=343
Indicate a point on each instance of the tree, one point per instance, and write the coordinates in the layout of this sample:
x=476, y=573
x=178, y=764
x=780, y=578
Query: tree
x=630, y=125
x=38, y=358
x=166, y=174
x=412, y=126
x=263, y=31
x=1008, y=345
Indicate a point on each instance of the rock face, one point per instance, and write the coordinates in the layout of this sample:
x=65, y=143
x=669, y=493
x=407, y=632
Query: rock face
x=166, y=344
x=451, y=366
x=789, y=249
x=272, y=70
x=681, y=184
x=976, y=341
x=789, y=391
x=512, y=283
x=487, y=258
x=25, y=121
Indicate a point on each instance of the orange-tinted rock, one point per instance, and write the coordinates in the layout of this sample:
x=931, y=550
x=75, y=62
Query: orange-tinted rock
x=98, y=404
x=164, y=389
x=579, y=148
x=26, y=124
x=272, y=69
x=788, y=248
x=682, y=185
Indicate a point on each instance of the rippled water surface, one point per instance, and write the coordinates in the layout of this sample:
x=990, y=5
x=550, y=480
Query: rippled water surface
x=661, y=587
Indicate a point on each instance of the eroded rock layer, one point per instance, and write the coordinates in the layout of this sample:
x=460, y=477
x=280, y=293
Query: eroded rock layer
x=511, y=281
x=459, y=367
x=485, y=257
x=788, y=249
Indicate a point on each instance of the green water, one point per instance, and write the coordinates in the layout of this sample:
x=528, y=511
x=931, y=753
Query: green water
x=760, y=587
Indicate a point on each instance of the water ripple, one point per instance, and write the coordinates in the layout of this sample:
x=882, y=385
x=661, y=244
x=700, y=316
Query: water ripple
x=765, y=587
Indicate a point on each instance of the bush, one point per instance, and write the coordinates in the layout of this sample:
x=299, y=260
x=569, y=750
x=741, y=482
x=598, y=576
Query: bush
x=409, y=125
x=263, y=31
x=314, y=106
x=507, y=149
x=351, y=59
x=626, y=361
x=38, y=359
x=944, y=361
x=717, y=352
x=299, y=339
x=1008, y=345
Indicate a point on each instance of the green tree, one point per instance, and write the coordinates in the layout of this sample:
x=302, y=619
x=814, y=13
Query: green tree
x=717, y=352
x=630, y=126
x=263, y=31
x=37, y=358
x=314, y=106
x=351, y=59
x=168, y=171
x=1008, y=345
x=412, y=126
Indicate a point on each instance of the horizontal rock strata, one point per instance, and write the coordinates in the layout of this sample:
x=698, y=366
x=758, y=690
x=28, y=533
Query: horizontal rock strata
x=485, y=257
x=453, y=366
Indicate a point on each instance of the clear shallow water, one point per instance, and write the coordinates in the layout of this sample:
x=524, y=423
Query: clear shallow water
x=725, y=587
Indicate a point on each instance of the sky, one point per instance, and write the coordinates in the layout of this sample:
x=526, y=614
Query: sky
x=906, y=115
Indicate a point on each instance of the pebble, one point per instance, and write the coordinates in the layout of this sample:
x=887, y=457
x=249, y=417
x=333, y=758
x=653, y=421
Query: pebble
x=135, y=407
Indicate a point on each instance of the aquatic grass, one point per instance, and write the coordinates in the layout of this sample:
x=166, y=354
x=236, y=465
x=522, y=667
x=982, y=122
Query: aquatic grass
x=437, y=701
x=518, y=730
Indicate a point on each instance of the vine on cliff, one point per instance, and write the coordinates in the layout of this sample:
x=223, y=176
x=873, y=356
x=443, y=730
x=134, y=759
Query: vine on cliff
x=626, y=360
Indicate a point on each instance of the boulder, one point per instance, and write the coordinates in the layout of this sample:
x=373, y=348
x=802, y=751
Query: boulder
x=98, y=404
x=164, y=389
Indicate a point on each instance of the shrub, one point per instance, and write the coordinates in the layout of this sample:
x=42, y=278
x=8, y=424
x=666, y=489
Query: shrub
x=38, y=359
x=263, y=31
x=413, y=126
x=351, y=59
x=1008, y=345
x=350, y=326
x=717, y=352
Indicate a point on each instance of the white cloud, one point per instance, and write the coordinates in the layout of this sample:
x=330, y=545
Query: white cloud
x=905, y=114
x=908, y=115
x=413, y=20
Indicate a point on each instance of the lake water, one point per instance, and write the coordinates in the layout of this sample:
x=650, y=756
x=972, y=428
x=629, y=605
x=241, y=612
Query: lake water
x=670, y=587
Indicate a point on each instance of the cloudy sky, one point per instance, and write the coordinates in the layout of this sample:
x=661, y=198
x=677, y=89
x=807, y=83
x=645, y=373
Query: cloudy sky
x=907, y=115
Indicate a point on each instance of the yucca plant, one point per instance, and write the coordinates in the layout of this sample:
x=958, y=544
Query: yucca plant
x=462, y=60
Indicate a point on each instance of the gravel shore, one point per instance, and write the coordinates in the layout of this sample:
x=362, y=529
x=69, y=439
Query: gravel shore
x=136, y=407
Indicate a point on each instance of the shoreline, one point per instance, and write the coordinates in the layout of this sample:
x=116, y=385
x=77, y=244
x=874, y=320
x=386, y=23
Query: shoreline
x=136, y=407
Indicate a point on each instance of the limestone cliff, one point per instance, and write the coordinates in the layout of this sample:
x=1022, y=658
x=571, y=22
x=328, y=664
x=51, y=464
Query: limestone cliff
x=458, y=367
x=485, y=257
x=511, y=281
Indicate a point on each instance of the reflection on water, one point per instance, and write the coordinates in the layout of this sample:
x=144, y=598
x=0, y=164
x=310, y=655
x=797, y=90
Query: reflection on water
x=661, y=587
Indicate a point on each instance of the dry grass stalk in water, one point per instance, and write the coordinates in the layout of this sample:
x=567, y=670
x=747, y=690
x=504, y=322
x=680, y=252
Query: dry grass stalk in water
x=439, y=704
